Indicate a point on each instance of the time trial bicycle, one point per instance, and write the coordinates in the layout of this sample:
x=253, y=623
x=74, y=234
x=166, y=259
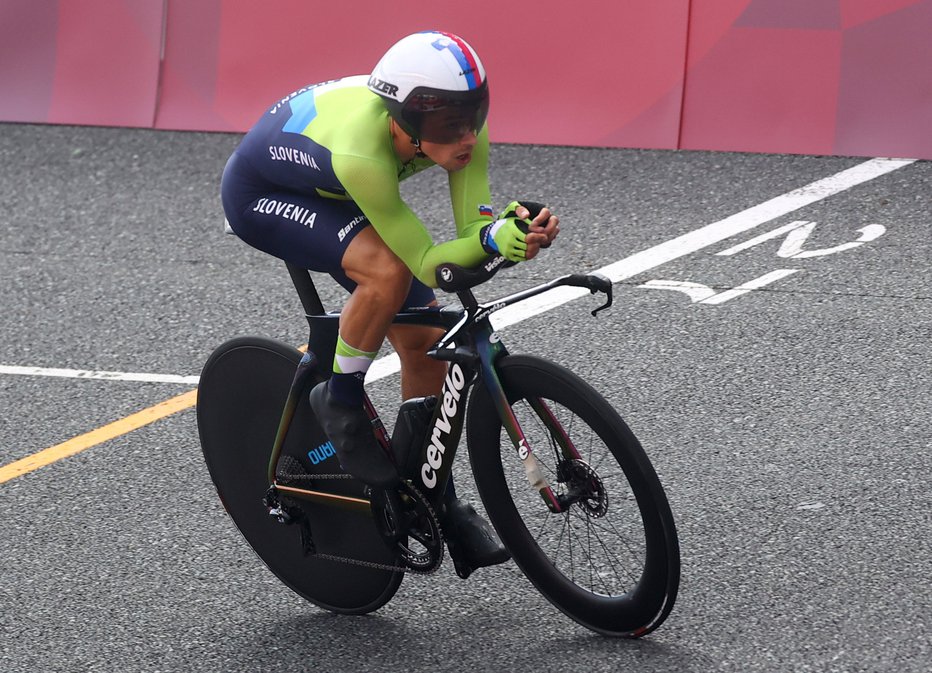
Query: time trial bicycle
x=567, y=486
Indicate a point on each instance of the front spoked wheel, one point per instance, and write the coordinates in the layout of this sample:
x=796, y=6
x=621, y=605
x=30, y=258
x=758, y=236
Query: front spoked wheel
x=610, y=558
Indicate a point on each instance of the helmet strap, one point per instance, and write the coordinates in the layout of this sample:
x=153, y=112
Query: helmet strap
x=396, y=130
x=417, y=144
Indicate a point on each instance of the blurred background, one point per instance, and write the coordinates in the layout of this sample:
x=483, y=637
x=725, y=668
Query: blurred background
x=838, y=77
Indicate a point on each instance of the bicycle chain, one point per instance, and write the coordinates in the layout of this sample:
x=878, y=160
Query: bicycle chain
x=311, y=477
x=371, y=564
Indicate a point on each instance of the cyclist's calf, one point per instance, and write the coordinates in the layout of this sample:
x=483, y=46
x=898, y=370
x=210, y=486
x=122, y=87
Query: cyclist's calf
x=420, y=374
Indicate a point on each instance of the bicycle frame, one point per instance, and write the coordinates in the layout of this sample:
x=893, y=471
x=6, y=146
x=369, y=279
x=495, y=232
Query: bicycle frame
x=472, y=348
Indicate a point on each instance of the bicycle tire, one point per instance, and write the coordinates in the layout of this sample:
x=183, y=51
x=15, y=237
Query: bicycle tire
x=241, y=394
x=636, y=526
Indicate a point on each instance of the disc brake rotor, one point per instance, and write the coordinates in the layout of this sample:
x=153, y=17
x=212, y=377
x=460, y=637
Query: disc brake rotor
x=584, y=487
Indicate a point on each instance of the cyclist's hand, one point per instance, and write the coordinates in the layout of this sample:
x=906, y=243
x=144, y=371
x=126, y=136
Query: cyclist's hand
x=517, y=237
x=504, y=237
x=542, y=230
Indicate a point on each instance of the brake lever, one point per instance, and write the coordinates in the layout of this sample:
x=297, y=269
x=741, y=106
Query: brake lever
x=603, y=285
x=594, y=282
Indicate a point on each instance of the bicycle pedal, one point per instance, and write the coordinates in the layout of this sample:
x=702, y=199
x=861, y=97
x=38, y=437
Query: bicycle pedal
x=462, y=567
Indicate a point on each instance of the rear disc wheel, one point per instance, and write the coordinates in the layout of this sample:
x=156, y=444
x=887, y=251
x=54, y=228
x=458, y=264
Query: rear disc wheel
x=242, y=391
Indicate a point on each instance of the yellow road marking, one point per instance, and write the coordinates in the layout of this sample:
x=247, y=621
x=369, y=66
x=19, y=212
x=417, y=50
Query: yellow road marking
x=102, y=434
x=98, y=436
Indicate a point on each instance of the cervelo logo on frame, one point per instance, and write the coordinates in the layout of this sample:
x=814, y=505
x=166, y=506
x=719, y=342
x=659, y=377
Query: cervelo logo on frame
x=449, y=407
x=523, y=449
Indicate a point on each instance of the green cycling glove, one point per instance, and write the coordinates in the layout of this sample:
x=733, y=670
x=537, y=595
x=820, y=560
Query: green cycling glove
x=506, y=235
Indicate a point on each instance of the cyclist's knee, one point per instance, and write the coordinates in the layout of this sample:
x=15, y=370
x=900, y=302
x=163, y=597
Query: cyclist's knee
x=375, y=268
x=412, y=342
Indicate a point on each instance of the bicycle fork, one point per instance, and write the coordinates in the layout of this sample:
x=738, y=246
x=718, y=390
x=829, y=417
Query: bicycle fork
x=489, y=350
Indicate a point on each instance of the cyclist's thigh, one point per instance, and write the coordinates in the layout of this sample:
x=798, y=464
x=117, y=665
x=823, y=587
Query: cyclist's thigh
x=370, y=261
x=303, y=229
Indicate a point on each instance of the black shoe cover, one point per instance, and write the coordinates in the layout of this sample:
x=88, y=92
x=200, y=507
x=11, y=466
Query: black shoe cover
x=472, y=541
x=350, y=431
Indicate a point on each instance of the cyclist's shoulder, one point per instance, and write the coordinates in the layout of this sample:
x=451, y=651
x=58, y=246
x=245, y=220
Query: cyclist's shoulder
x=339, y=115
x=307, y=99
x=352, y=124
x=348, y=117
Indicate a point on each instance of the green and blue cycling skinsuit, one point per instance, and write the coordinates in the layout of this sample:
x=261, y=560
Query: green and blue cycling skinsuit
x=320, y=166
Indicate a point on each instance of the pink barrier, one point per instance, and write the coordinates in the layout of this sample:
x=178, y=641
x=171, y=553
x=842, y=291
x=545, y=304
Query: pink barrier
x=80, y=61
x=810, y=76
x=541, y=86
x=807, y=76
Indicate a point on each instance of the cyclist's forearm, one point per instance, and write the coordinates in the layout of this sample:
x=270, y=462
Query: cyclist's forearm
x=411, y=242
x=466, y=252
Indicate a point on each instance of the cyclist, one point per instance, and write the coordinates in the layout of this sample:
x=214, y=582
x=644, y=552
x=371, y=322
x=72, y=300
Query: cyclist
x=316, y=183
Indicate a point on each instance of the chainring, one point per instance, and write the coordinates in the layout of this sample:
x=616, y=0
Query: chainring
x=409, y=525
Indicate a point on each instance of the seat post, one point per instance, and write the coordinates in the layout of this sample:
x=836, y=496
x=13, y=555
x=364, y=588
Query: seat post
x=303, y=283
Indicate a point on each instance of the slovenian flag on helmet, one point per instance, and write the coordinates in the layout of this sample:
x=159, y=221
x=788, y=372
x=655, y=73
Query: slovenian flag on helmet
x=465, y=58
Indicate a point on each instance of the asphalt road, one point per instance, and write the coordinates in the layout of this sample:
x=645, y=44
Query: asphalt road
x=789, y=424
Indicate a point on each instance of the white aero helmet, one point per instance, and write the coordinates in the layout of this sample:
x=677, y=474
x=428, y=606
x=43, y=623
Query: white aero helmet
x=434, y=86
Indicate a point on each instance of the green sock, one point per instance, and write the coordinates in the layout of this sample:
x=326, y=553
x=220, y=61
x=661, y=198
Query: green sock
x=349, y=371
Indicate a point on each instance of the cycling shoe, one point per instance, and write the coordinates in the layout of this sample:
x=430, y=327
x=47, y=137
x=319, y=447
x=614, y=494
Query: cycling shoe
x=350, y=430
x=472, y=541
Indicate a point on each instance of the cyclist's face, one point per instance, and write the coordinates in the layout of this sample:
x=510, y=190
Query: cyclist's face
x=454, y=137
x=449, y=125
x=453, y=156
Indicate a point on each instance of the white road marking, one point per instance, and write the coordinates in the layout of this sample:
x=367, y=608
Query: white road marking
x=792, y=247
x=797, y=234
x=708, y=235
x=703, y=294
x=751, y=285
x=97, y=375
x=625, y=268
x=757, y=240
x=695, y=291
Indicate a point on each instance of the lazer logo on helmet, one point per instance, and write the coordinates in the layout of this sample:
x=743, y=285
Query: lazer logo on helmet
x=449, y=406
x=383, y=87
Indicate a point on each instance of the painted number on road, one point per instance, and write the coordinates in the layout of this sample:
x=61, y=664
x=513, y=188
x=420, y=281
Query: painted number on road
x=796, y=234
